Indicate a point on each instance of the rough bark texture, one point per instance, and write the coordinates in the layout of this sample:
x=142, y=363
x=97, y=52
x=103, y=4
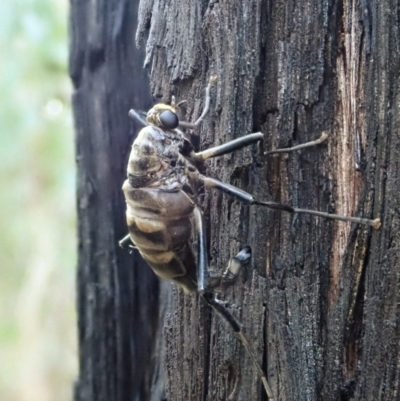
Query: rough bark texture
x=321, y=301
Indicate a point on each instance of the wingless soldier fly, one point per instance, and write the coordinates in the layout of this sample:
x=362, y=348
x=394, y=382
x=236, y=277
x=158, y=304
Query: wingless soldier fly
x=163, y=211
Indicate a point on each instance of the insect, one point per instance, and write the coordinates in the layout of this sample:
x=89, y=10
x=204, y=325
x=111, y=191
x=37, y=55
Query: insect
x=163, y=212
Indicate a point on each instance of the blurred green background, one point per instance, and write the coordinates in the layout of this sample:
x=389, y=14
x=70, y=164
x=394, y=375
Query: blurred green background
x=37, y=204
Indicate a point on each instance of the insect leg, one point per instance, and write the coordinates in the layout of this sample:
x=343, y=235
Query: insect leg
x=136, y=115
x=228, y=277
x=206, y=109
x=249, y=199
x=228, y=317
x=249, y=139
x=221, y=281
x=230, y=146
x=321, y=139
x=202, y=271
x=126, y=243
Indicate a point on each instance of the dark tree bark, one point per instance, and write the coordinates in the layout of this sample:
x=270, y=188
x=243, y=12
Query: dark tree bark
x=117, y=294
x=321, y=301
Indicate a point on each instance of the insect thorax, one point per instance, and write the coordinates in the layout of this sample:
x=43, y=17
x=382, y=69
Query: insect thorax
x=155, y=157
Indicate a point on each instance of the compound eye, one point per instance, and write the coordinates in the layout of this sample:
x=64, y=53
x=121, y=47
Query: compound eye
x=169, y=119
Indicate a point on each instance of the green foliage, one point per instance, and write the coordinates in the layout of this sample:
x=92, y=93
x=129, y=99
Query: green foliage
x=37, y=220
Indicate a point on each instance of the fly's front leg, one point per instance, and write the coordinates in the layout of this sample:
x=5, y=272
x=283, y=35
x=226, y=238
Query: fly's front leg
x=137, y=116
x=251, y=200
x=126, y=243
x=206, y=109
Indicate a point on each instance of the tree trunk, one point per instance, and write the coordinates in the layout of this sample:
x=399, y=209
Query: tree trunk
x=117, y=293
x=320, y=302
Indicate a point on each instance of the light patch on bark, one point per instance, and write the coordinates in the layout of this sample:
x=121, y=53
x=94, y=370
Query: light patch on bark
x=350, y=140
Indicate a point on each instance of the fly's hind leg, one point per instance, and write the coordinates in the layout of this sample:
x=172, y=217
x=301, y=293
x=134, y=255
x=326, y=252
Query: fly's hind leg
x=208, y=280
x=219, y=282
x=219, y=307
x=226, y=279
x=251, y=200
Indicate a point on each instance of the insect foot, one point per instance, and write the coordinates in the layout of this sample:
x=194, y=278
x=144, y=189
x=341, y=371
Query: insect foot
x=221, y=310
x=219, y=282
